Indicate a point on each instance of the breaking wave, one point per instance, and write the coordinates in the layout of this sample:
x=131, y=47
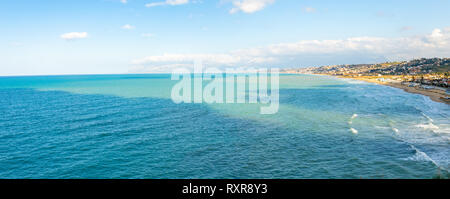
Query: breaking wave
x=353, y=117
x=421, y=156
x=354, y=131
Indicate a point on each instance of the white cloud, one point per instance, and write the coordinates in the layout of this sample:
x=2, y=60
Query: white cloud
x=74, y=35
x=128, y=27
x=309, y=9
x=358, y=49
x=249, y=6
x=439, y=37
x=124, y=1
x=167, y=2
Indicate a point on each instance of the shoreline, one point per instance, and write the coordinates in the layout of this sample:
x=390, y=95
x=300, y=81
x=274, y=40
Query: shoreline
x=434, y=94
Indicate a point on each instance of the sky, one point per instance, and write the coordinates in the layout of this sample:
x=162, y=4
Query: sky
x=52, y=37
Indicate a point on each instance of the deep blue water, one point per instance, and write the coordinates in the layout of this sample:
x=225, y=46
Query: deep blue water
x=126, y=126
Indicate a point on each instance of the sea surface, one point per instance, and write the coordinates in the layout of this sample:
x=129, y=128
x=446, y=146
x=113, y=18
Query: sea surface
x=127, y=126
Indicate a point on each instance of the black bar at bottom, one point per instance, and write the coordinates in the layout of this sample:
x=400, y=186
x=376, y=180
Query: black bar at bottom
x=238, y=189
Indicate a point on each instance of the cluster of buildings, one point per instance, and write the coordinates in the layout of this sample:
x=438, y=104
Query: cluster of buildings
x=429, y=79
x=414, y=67
x=432, y=72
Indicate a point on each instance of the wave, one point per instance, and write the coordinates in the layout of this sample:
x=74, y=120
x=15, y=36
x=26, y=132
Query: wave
x=353, y=81
x=435, y=154
x=429, y=126
x=354, y=131
x=353, y=117
x=421, y=156
x=441, y=129
x=395, y=130
x=426, y=116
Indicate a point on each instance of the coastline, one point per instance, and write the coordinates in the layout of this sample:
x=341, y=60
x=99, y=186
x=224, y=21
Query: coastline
x=434, y=94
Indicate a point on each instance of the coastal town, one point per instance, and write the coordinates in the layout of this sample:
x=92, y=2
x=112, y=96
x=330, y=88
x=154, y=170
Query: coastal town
x=426, y=76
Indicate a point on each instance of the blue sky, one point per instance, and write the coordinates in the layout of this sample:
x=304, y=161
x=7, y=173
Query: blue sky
x=117, y=36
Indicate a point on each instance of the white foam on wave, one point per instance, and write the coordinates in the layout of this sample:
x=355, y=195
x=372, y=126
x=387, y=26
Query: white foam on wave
x=443, y=130
x=395, y=130
x=353, y=81
x=429, y=135
x=353, y=117
x=426, y=116
x=421, y=156
x=432, y=127
x=429, y=126
x=381, y=127
x=430, y=138
x=354, y=131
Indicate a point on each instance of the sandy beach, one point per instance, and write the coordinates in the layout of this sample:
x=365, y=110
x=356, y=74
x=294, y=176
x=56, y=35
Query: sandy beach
x=436, y=95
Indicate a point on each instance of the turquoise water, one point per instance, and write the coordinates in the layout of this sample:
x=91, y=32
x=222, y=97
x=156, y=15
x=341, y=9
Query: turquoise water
x=126, y=126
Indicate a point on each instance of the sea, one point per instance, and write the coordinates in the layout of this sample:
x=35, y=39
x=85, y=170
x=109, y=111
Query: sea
x=127, y=126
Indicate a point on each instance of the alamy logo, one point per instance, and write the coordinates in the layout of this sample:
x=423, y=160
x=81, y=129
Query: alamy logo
x=252, y=86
